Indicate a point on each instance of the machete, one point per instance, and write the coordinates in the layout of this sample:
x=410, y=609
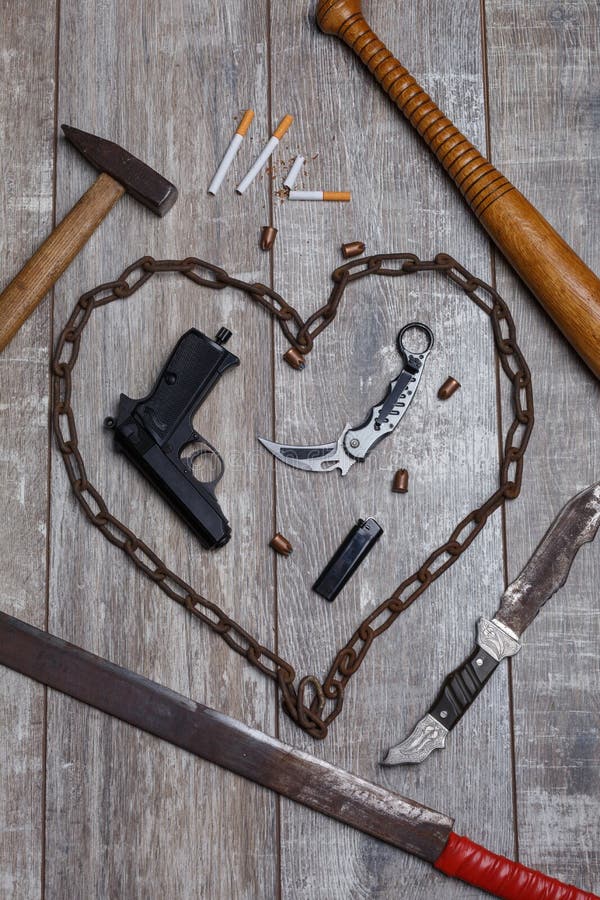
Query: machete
x=545, y=573
x=231, y=744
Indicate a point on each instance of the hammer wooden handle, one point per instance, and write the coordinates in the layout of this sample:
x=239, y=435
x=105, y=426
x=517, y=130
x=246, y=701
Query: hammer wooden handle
x=566, y=288
x=46, y=266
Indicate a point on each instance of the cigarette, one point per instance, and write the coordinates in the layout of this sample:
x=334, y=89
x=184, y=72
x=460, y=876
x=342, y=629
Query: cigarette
x=327, y=196
x=290, y=181
x=231, y=152
x=264, y=156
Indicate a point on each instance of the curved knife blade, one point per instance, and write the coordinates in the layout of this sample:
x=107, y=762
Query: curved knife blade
x=318, y=458
x=545, y=573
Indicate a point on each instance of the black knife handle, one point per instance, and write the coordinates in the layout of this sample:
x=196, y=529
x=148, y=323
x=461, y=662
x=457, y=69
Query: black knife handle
x=461, y=688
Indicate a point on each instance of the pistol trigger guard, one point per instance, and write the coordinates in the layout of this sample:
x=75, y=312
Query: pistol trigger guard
x=205, y=447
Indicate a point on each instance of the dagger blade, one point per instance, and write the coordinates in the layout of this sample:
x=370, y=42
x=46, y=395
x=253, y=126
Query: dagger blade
x=548, y=569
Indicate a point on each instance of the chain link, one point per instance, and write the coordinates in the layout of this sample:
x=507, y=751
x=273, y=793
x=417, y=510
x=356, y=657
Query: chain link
x=313, y=704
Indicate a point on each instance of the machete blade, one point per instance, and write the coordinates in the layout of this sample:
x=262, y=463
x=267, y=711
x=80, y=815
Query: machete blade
x=227, y=742
x=549, y=567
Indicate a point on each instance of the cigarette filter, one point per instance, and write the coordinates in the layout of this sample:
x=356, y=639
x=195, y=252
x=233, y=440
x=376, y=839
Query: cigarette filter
x=327, y=196
x=231, y=152
x=290, y=181
x=266, y=153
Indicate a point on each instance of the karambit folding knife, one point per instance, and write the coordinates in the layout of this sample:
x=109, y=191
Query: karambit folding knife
x=355, y=444
x=545, y=573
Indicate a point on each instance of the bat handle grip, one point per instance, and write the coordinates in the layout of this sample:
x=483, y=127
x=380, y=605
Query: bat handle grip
x=562, y=283
x=477, y=179
x=463, y=859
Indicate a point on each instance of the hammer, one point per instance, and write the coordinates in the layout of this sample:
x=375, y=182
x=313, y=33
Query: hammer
x=563, y=284
x=120, y=173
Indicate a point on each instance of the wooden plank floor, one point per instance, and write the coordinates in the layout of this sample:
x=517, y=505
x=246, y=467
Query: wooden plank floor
x=90, y=808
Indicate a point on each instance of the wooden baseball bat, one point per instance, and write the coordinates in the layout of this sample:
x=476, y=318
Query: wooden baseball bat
x=563, y=284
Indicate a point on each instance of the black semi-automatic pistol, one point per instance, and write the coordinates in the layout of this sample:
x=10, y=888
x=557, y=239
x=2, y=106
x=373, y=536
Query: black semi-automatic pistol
x=153, y=431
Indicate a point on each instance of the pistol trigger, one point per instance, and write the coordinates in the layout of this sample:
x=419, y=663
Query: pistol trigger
x=188, y=461
x=216, y=480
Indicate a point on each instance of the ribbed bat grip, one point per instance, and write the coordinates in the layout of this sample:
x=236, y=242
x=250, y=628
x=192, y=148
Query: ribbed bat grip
x=502, y=877
x=477, y=179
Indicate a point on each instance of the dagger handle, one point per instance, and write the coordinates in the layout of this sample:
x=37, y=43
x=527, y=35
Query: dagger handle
x=462, y=687
x=461, y=858
x=495, y=642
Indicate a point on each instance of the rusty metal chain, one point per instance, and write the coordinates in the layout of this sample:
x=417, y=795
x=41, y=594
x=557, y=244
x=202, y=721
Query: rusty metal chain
x=312, y=704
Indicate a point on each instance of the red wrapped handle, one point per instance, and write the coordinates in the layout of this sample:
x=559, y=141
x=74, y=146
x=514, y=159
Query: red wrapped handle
x=463, y=859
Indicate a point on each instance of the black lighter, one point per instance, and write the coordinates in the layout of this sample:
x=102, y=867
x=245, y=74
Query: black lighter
x=347, y=558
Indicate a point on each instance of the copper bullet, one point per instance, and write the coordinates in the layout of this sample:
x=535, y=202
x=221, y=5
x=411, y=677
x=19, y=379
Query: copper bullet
x=449, y=387
x=280, y=545
x=294, y=358
x=267, y=237
x=353, y=248
x=400, y=483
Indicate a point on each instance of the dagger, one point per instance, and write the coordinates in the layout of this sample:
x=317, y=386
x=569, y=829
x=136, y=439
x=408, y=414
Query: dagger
x=499, y=638
x=263, y=759
x=355, y=444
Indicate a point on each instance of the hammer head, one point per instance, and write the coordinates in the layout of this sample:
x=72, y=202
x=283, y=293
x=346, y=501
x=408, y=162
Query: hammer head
x=137, y=178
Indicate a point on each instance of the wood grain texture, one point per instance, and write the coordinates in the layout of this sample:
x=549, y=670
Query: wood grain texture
x=125, y=815
x=159, y=823
x=57, y=252
x=544, y=81
x=26, y=143
x=403, y=202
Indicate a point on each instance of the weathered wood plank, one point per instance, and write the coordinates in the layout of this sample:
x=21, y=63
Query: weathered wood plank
x=126, y=816
x=402, y=201
x=544, y=81
x=157, y=821
x=26, y=149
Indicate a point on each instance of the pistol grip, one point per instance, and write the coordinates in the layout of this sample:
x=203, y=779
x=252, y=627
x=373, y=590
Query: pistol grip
x=191, y=372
